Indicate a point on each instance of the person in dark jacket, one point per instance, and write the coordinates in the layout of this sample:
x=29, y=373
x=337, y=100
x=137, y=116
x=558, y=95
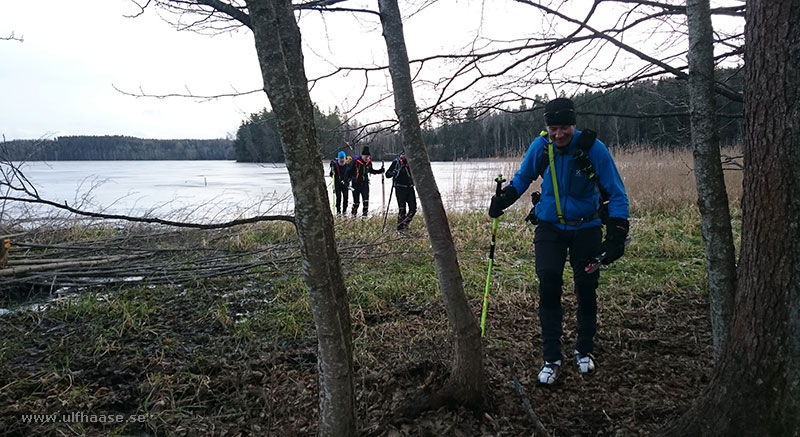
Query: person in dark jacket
x=403, y=185
x=359, y=171
x=340, y=181
x=568, y=223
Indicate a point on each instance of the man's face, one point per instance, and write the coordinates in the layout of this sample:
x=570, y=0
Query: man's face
x=342, y=161
x=561, y=134
x=366, y=159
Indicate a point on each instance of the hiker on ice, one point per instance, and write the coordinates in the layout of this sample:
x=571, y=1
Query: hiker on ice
x=360, y=169
x=403, y=185
x=339, y=175
x=578, y=176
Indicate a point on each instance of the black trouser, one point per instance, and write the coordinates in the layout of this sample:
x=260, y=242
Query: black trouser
x=405, y=197
x=361, y=191
x=341, y=198
x=551, y=246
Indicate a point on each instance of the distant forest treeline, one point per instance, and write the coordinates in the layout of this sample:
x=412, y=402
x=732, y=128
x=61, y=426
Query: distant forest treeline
x=647, y=113
x=115, y=147
x=651, y=113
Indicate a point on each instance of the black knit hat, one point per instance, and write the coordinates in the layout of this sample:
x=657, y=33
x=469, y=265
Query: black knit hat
x=365, y=150
x=559, y=112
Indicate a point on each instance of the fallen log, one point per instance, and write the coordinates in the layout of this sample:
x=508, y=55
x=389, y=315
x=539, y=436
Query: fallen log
x=17, y=270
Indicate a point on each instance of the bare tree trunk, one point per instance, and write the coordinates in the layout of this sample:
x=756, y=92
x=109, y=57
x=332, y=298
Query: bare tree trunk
x=466, y=378
x=277, y=39
x=712, y=199
x=755, y=388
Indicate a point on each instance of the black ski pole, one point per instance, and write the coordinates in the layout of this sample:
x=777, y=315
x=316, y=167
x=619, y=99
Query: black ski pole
x=386, y=211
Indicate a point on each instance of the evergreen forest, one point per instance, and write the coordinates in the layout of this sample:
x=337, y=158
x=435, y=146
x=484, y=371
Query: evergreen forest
x=115, y=148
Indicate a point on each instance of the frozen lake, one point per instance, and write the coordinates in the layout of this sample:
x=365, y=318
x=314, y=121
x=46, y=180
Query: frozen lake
x=213, y=191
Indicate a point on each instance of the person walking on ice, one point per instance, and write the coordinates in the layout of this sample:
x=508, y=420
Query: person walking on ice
x=403, y=185
x=360, y=169
x=340, y=181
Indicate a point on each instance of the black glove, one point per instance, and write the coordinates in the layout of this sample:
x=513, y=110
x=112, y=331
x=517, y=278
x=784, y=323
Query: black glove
x=390, y=173
x=506, y=198
x=614, y=245
x=531, y=218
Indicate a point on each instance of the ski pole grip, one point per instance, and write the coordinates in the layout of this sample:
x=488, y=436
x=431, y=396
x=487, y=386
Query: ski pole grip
x=499, y=181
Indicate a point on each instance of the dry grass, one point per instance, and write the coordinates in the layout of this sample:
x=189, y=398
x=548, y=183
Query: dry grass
x=665, y=181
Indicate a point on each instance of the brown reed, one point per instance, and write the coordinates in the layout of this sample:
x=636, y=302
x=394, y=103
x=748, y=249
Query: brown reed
x=656, y=180
x=665, y=180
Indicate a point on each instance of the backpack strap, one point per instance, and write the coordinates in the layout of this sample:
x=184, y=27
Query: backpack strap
x=544, y=160
x=582, y=162
x=581, y=155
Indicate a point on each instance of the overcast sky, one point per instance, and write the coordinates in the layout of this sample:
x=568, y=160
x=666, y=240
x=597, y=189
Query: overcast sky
x=60, y=79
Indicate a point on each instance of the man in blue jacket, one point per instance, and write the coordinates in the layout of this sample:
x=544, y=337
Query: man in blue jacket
x=569, y=222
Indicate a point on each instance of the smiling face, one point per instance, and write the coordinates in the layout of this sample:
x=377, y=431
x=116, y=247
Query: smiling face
x=561, y=134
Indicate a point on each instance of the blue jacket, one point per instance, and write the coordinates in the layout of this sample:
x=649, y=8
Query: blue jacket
x=579, y=196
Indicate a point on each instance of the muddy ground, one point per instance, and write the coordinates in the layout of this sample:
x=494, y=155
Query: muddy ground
x=188, y=370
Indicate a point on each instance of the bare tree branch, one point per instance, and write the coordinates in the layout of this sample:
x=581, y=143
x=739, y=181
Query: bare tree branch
x=188, y=94
x=733, y=95
x=12, y=37
x=153, y=220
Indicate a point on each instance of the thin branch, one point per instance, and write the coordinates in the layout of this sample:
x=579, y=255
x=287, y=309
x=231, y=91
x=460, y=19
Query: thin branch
x=152, y=220
x=237, y=13
x=12, y=37
x=189, y=94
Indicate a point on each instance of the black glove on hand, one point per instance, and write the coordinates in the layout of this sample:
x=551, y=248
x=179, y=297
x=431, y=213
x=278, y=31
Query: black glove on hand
x=506, y=198
x=614, y=245
x=531, y=218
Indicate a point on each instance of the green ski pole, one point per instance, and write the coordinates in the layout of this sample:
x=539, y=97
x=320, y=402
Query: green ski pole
x=495, y=223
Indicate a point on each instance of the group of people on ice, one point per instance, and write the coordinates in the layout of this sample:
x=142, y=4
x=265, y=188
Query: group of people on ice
x=352, y=174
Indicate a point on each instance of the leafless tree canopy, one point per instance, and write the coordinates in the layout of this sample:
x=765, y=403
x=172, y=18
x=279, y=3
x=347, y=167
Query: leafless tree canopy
x=564, y=48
